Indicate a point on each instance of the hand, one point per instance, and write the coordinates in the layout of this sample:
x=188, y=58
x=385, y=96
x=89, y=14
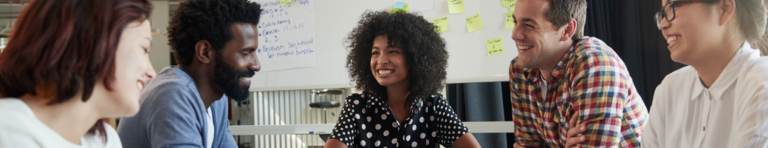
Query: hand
x=518, y=146
x=521, y=146
x=575, y=138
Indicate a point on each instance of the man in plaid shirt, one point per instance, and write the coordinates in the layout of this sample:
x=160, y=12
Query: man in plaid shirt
x=562, y=79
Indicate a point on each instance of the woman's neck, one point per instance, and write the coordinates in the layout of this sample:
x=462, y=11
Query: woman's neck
x=71, y=119
x=397, y=96
x=711, y=68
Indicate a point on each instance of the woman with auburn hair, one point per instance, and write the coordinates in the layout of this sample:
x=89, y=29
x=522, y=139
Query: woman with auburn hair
x=68, y=65
x=721, y=99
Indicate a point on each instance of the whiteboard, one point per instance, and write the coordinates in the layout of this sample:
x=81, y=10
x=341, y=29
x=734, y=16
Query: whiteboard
x=286, y=35
x=334, y=19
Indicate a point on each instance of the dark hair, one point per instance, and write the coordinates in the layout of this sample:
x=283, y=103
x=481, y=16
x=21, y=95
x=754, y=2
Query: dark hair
x=209, y=20
x=61, y=47
x=424, y=52
x=562, y=11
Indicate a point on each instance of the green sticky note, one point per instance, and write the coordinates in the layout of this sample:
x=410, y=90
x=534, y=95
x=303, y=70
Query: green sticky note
x=456, y=6
x=474, y=23
x=400, y=6
x=508, y=3
x=494, y=46
x=285, y=1
x=441, y=24
x=510, y=21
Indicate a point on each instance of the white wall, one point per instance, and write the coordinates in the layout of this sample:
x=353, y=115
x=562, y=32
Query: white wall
x=160, y=54
x=468, y=60
x=4, y=23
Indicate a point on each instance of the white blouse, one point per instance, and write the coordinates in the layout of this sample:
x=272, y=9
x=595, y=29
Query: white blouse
x=20, y=128
x=732, y=113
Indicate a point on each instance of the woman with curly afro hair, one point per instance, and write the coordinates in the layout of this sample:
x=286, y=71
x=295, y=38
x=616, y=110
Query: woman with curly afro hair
x=399, y=62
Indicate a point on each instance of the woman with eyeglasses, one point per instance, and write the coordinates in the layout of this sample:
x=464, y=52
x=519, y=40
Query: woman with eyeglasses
x=721, y=99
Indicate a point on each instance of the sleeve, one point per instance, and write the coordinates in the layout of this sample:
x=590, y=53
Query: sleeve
x=599, y=91
x=173, y=121
x=449, y=126
x=751, y=128
x=653, y=132
x=525, y=131
x=228, y=140
x=346, y=129
x=225, y=136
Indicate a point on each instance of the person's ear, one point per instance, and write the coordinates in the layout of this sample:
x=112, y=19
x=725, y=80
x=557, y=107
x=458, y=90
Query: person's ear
x=727, y=10
x=203, y=51
x=570, y=29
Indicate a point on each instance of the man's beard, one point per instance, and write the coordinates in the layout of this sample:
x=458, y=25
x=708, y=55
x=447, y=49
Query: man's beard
x=227, y=79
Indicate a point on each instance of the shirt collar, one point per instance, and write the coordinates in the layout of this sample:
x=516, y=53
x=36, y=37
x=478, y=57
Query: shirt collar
x=376, y=102
x=729, y=74
x=534, y=74
x=559, y=70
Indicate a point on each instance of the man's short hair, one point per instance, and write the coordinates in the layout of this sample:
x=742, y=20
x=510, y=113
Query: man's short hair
x=209, y=20
x=562, y=11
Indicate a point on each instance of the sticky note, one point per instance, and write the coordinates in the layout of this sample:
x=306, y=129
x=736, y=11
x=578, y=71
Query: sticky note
x=474, y=23
x=456, y=6
x=508, y=3
x=400, y=6
x=510, y=22
x=285, y=1
x=494, y=46
x=441, y=24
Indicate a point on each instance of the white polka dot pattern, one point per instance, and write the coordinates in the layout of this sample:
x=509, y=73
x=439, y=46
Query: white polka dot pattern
x=364, y=122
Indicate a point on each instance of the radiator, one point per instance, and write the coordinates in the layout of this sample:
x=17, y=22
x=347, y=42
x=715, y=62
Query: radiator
x=284, y=108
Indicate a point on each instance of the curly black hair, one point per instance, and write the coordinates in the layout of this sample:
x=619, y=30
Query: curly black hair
x=208, y=20
x=424, y=52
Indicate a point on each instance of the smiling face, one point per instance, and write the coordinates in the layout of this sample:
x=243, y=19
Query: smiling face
x=537, y=40
x=237, y=62
x=133, y=71
x=388, y=64
x=693, y=33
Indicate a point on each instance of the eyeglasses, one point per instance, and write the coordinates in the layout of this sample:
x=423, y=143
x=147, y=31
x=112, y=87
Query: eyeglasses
x=668, y=11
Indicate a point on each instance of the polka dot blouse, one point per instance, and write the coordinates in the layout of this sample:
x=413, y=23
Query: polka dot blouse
x=367, y=122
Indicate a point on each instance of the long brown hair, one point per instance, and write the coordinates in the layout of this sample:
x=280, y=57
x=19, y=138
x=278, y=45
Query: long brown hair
x=62, y=47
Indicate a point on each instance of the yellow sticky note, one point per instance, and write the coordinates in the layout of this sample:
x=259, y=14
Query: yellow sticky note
x=400, y=6
x=508, y=3
x=510, y=21
x=405, y=8
x=285, y=1
x=456, y=6
x=474, y=23
x=441, y=24
x=494, y=46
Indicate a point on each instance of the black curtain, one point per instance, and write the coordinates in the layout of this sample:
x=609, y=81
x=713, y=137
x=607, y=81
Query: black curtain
x=628, y=27
x=481, y=102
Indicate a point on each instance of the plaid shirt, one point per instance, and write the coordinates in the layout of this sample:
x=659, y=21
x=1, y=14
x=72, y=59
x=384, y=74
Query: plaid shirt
x=590, y=79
